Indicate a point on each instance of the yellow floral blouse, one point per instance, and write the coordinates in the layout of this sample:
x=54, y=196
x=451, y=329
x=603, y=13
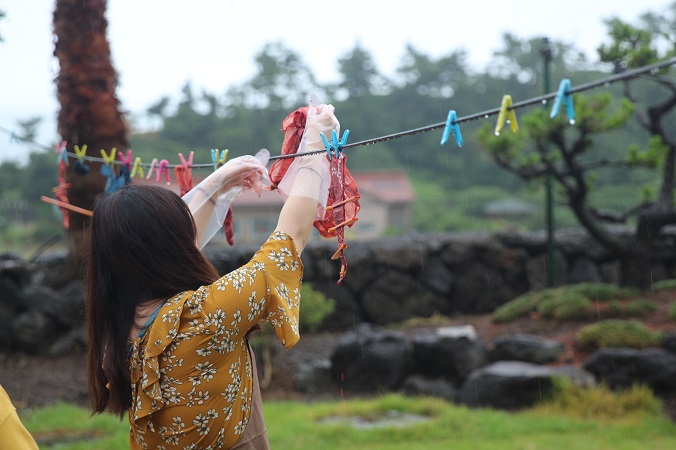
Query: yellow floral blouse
x=191, y=372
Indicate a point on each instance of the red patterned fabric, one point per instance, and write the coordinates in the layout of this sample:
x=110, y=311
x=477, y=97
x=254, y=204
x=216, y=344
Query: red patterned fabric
x=293, y=127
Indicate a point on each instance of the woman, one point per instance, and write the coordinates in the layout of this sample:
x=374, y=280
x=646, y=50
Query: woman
x=167, y=336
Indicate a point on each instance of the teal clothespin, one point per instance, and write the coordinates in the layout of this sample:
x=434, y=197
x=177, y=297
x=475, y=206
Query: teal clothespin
x=335, y=147
x=452, y=125
x=62, y=153
x=216, y=160
x=564, y=95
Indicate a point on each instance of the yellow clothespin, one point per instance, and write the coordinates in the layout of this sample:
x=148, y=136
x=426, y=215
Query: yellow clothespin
x=137, y=168
x=109, y=159
x=506, y=114
x=80, y=152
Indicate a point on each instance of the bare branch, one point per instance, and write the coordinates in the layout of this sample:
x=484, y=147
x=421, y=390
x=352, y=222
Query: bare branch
x=605, y=215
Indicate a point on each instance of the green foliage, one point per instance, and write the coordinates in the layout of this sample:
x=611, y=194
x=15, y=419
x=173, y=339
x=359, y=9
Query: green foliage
x=314, y=307
x=616, y=333
x=602, y=291
x=669, y=284
x=599, y=402
x=639, y=308
x=672, y=311
x=652, y=158
x=569, y=306
x=562, y=303
x=521, y=306
x=595, y=416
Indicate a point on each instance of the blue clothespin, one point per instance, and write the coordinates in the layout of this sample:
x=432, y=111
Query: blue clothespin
x=452, y=125
x=335, y=147
x=62, y=153
x=13, y=137
x=216, y=160
x=563, y=94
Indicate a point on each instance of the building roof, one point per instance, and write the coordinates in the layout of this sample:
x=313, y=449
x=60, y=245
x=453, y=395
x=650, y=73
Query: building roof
x=389, y=186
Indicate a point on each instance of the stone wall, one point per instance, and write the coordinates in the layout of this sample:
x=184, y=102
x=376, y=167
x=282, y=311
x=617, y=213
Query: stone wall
x=388, y=280
x=391, y=280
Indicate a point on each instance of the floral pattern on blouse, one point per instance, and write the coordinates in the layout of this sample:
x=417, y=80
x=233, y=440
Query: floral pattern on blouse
x=191, y=372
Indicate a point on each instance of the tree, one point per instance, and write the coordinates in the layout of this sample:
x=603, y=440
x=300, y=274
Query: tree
x=570, y=156
x=283, y=81
x=90, y=111
x=653, y=39
x=360, y=74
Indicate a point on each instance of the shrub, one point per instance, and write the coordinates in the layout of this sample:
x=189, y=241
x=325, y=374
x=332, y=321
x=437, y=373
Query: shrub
x=314, y=307
x=639, y=308
x=564, y=303
x=569, y=305
x=616, y=333
x=599, y=402
x=519, y=307
x=664, y=284
x=672, y=311
x=602, y=291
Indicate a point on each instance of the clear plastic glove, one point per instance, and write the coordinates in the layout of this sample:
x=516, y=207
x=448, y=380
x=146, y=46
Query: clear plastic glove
x=309, y=176
x=221, y=188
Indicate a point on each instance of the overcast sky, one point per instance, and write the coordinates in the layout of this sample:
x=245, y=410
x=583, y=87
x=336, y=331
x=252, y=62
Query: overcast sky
x=159, y=45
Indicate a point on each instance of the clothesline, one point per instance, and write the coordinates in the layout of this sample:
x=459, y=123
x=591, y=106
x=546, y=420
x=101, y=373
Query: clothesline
x=649, y=69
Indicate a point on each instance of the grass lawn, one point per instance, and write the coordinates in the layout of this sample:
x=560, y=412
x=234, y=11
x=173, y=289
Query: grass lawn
x=298, y=426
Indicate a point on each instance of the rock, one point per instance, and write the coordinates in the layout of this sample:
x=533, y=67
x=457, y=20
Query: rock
x=33, y=332
x=371, y=360
x=417, y=385
x=313, y=377
x=527, y=348
x=68, y=308
x=512, y=384
x=584, y=270
x=461, y=331
x=622, y=367
x=397, y=296
x=436, y=356
x=668, y=342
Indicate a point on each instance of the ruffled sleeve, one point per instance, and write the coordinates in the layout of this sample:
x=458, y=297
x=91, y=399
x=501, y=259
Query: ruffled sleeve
x=267, y=287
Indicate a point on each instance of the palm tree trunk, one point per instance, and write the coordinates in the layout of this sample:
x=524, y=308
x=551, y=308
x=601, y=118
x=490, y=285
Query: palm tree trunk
x=90, y=111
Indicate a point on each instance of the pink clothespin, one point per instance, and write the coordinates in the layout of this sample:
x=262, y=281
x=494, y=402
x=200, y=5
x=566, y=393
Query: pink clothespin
x=62, y=153
x=126, y=161
x=153, y=166
x=164, y=169
x=184, y=163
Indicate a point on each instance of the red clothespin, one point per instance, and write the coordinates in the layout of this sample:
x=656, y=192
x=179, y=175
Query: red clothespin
x=163, y=169
x=183, y=173
x=126, y=161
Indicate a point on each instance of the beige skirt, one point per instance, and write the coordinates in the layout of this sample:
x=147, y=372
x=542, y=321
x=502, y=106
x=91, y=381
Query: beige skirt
x=255, y=436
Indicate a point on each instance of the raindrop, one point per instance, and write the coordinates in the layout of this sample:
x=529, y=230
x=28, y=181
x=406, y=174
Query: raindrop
x=486, y=116
x=497, y=133
x=507, y=122
x=607, y=84
x=572, y=122
x=654, y=71
x=544, y=101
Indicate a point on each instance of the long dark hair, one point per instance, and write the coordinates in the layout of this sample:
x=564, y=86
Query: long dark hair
x=141, y=248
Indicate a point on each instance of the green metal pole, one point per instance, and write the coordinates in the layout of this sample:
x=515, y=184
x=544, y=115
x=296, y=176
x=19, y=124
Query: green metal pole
x=546, y=52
